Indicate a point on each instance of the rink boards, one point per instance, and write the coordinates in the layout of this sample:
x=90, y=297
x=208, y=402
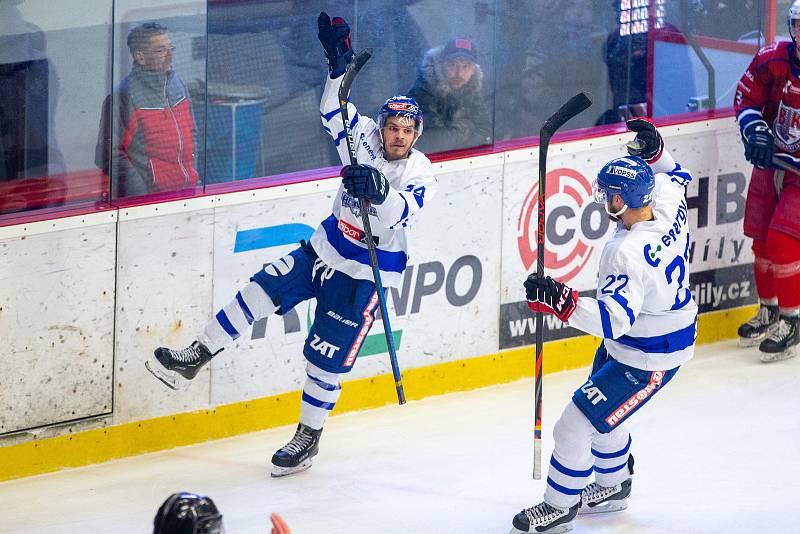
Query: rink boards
x=91, y=296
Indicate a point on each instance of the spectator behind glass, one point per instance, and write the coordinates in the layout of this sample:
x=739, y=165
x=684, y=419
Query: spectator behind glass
x=448, y=89
x=153, y=131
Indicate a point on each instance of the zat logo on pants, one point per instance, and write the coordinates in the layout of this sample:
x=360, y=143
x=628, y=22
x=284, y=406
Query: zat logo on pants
x=323, y=347
x=573, y=227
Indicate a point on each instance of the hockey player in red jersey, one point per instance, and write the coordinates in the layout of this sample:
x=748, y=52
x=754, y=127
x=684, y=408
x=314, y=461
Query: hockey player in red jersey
x=767, y=107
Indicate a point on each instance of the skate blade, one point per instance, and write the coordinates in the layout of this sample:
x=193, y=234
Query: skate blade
x=608, y=506
x=170, y=379
x=769, y=357
x=278, y=471
x=747, y=342
x=563, y=527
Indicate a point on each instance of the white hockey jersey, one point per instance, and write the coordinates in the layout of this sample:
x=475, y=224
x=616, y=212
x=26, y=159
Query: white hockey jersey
x=644, y=309
x=339, y=240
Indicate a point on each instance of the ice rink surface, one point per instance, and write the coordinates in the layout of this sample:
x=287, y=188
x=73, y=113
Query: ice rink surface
x=718, y=450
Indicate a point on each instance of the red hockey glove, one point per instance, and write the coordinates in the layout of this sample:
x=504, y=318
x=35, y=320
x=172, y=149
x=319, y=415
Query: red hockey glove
x=550, y=296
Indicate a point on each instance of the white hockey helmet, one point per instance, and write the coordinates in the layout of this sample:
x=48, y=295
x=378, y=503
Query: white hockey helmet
x=794, y=14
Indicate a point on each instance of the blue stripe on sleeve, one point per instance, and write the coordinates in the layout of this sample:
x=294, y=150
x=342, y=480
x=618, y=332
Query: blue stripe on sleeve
x=404, y=216
x=605, y=320
x=342, y=134
x=663, y=344
x=619, y=299
x=331, y=114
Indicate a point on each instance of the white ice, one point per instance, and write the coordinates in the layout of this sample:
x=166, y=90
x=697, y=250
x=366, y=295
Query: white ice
x=718, y=450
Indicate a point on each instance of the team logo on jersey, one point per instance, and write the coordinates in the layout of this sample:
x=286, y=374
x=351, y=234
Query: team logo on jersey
x=575, y=224
x=787, y=128
x=355, y=233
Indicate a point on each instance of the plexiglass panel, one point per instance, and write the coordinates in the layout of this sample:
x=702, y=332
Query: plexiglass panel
x=122, y=100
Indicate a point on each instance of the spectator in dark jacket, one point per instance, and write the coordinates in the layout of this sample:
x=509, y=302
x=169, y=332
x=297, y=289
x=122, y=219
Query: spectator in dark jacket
x=448, y=89
x=152, y=148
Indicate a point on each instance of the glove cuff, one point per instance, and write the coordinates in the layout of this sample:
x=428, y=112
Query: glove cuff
x=338, y=65
x=751, y=128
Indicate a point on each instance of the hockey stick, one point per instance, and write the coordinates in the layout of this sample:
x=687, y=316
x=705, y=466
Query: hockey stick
x=344, y=91
x=575, y=105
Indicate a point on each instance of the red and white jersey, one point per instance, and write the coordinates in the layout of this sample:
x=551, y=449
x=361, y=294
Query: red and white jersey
x=769, y=90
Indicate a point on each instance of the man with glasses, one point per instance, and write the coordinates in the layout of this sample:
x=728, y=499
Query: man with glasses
x=150, y=145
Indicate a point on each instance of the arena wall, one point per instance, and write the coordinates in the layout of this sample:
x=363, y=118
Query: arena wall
x=87, y=298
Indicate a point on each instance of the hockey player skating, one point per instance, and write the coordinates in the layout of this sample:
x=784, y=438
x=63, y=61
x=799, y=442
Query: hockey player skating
x=334, y=268
x=767, y=107
x=646, y=316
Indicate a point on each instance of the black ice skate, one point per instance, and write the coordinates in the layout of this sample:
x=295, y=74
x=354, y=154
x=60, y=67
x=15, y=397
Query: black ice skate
x=296, y=455
x=781, y=341
x=175, y=368
x=754, y=331
x=544, y=518
x=596, y=499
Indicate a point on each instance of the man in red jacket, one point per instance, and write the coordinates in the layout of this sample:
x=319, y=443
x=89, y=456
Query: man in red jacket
x=152, y=147
x=767, y=107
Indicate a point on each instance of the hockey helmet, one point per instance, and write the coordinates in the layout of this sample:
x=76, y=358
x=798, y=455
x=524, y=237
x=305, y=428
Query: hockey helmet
x=187, y=513
x=630, y=178
x=401, y=106
x=794, y=14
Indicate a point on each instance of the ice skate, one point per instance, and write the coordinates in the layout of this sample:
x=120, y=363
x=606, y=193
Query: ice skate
x=176, y=368
x=597, y=499
x=544, y=518
x=296, y=455
x=781, y=341
x=754, y=331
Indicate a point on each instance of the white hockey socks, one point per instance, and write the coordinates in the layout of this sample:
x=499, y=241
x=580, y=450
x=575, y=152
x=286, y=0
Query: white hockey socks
x=320, y=393
x=235, y=319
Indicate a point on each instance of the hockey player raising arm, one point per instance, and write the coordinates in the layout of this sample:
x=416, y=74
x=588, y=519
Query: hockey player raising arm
x=645, y=314
x=767, y=102
x=334, y=267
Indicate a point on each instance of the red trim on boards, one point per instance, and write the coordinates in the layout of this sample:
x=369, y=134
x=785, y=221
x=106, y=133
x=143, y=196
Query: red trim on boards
x=12, y=219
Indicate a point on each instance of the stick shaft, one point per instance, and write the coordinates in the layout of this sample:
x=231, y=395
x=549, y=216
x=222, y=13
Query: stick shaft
x=358, y=62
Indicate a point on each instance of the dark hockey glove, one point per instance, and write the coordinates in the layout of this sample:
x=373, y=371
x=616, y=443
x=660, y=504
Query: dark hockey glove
x=648, y=143
x=365, y=181
x=550, y=296
x=758, y=144
x=335, y=38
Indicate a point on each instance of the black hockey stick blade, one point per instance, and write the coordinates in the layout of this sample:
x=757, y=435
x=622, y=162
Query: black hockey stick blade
x=574, y=106
x=352, y=70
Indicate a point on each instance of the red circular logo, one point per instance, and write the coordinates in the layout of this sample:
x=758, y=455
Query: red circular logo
x=567, y=193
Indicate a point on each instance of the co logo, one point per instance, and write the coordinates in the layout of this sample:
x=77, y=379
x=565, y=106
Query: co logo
x=574, y=225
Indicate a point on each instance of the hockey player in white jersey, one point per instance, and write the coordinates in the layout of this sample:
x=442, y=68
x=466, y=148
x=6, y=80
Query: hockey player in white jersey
x=645, y=314
x=334, y=268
